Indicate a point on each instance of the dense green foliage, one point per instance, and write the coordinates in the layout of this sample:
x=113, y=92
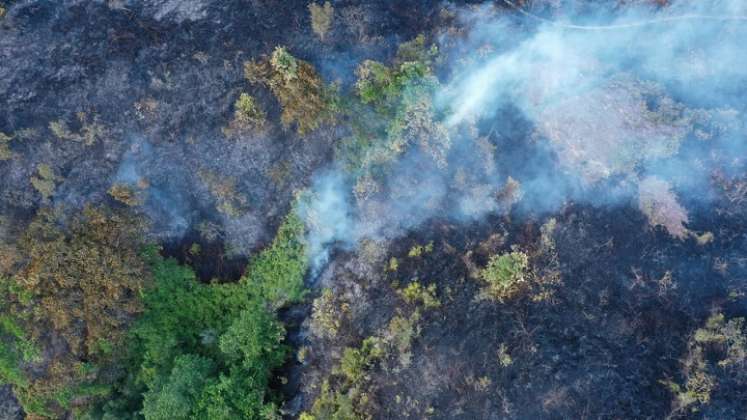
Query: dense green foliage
x=393, y=109
x=195, y=351
x=207, y=351
x=15, y=346
x=276, y=273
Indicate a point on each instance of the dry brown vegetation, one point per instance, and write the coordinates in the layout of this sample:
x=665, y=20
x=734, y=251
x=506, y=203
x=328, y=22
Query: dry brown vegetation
x=304, y=98
x=322, y=17
x=75, y=295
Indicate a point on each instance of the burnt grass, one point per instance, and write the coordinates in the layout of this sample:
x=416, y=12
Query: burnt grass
x=599, y=348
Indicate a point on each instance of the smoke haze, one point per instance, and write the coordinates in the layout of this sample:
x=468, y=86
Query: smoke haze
x=565, y=114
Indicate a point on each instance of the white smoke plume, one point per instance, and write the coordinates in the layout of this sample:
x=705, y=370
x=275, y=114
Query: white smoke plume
x=597, y=106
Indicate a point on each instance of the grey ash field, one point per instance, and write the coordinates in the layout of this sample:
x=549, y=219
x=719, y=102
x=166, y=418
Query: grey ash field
x=264, y=209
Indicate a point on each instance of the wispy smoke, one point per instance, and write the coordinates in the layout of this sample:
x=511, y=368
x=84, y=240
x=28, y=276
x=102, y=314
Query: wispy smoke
x=570, y=113
x=164, y=202
x=328, y=216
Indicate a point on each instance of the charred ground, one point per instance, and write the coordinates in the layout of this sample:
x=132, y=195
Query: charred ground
x=121, y=129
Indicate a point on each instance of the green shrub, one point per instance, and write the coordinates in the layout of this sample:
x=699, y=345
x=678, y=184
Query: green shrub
x=395, y=110
x=349, y=399
x=399, y=335
x=348, y=402
x=175, y=397
x=284, y=63
x=327, y=313
x=247, y=115
x=504, y=275
x=385, y=86
x=419, y=250
x=254, y=340
x=716, y=351
x=356, y=361
x=415, y=293
x=61, y=130
x=247, y=112
x=729, y=335
x=333, y=405
x=504, y=358
x=276, y=274
x=16, y=347
x=220, y=331
x=91, y=130
x=12, y=353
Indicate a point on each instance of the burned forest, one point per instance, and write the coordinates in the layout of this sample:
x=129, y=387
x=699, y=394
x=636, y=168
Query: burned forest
x=364, y=210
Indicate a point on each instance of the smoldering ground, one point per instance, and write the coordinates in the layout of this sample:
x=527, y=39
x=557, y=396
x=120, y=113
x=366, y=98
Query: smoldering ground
x=569, y=114
x=592, y=108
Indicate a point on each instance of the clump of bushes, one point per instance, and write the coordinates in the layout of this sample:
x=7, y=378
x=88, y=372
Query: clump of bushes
x=716, y=356
x=44, y=181
x=327, y=314
x=247, y=115
x=400, y=99
x=208, y=351
x=125, y=195
x=228, y=200
x=247, y=112
x=504, y=276
x=344, y=395
x=321, y=18
x=356, y=361
x=399, y=335
x=90, y=130
x=199, y=350
x=304, y=98
x=419, y=250
x=79, y=287
x=393, y=264
x=384, y=86
x=277, y=272
x=142, y=337
x=416, y=293
x=16, y=346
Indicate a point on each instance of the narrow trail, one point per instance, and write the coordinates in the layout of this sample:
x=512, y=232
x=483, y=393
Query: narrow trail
x=637, y=24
